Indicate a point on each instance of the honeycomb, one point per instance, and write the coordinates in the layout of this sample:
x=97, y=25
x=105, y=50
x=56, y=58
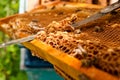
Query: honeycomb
x=30, y=23
x=95, y=45
x=64, y=25
x=19, y=27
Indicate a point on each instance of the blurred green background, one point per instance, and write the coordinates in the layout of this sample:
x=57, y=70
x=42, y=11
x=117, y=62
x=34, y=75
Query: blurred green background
x=10, y=56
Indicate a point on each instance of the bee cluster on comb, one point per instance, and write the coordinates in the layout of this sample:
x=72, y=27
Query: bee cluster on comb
x=92, y=52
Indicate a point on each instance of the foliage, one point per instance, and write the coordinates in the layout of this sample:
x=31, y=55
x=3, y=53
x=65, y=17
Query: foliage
x=9, y=56
x=8, y=7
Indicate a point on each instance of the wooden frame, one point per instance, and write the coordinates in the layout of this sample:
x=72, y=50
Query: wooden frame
x=68, y=64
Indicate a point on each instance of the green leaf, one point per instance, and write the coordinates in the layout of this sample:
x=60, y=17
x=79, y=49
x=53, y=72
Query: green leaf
x=9, y=56
x=8, y=72
x=2, y=76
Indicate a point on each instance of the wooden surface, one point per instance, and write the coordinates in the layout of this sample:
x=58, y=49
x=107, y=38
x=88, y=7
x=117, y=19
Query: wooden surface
x=67, y=4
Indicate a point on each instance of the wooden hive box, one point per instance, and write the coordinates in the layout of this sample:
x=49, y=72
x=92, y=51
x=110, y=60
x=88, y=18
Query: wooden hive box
x=68, y=66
